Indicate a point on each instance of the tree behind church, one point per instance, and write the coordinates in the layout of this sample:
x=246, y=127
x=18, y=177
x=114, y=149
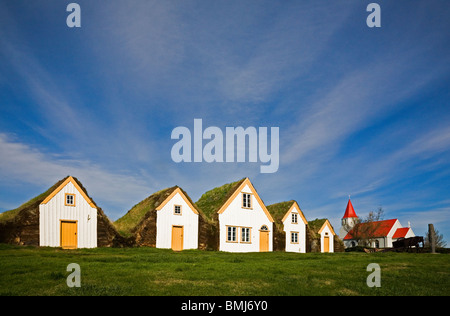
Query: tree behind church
x=363, y=232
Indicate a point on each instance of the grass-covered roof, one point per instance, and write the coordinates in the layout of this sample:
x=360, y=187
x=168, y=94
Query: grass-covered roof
x=278, y=210
x=34, y=202
x=316, y=224
x=132, y=218
x=21, y=225
x=211, y=201
x=136, y=214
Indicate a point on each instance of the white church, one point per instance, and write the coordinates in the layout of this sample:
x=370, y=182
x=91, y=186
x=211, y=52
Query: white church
x=383, y=233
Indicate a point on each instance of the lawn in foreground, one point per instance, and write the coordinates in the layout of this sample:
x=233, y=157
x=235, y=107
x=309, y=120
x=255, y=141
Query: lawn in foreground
x=149, y=271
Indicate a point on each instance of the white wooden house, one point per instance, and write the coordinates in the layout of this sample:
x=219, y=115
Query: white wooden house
x=294, y=226
x=177, y=222
x=327, y=234
x=68, y=218
x=290, y=226
x=245, y=224
x=166, y=219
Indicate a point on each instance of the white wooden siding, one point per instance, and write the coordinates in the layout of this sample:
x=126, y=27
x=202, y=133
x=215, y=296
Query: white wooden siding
x=299, y=227
x=165, y=219
x=326, y=232
x=236, y=215
x=54, y=211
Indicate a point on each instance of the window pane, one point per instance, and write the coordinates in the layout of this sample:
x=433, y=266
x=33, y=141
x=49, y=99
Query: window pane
x=231, y=233
x=69, y=199
x=294, y=237
x=246, y=200
x=245, y=234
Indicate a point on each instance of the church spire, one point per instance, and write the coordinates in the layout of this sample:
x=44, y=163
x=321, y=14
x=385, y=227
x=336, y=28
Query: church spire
x=349, y=211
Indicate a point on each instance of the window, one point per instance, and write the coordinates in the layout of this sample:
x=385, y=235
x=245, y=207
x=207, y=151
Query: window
x=177, y=209
x=245, y=234
x=264, y=227
x=231, y=234
x=70, y=199
x=294, y=237
x=246, y=200
x=294, y=218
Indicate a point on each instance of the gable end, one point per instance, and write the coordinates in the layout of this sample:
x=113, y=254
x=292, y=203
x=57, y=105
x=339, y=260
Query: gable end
x=75, y=184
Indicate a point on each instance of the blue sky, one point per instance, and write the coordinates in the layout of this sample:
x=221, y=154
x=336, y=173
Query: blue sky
x=361, y=111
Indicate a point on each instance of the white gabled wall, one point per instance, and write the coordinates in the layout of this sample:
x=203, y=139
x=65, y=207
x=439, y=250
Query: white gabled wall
x=54, y=211
x=236, y=215
x=165, y=219
x=299, y=227
x=327, y=232
x=391, y=233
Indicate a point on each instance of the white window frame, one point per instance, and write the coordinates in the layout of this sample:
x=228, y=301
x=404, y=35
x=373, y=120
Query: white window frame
x=175, y=209
x=231, y=234
x=246, y=200
x=245, y=235
x=294, y=238
x=67, y=197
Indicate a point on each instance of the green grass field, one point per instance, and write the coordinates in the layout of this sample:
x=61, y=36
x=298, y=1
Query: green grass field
x=149, y=271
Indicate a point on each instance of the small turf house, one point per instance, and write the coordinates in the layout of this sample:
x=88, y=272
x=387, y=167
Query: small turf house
x=63, y=216
x=290, y=227
x=327, y=234
x=242, y=221
x=177, y=222
x=322, y=237
x=68, y=218
x=166, y=219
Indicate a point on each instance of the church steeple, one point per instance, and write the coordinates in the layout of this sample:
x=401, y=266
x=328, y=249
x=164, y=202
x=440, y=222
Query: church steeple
x=349, y=211
x=348, y=220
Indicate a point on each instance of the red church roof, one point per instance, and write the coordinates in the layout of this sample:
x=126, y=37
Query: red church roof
x=401, y=232
x=349, y=211
x=381, y=228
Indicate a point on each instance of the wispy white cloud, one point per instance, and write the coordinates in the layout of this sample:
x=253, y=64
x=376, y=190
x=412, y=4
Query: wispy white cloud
x=31, y=166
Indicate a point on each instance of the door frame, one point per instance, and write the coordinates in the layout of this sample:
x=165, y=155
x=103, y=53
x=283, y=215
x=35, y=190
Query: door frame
x=61, y=221
x=261, y=233
x=326, y=243
x=182, y=237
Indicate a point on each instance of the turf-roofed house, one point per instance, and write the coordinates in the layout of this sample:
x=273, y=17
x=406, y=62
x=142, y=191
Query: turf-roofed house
x=63, y=216
x=241, y=220
x=165, y=219
x=290, y=226
x=322, y=236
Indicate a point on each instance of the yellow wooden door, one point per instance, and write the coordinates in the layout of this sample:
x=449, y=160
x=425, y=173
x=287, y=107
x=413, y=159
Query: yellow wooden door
x=68, y=234
x=263, y=241
x=177, y=238
x=326, y=244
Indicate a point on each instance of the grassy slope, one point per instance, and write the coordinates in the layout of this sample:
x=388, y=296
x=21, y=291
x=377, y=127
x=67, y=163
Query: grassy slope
x=150, y=271
x=211, y=201
x=126, y=223
x=278, y=210
x=10, y=215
